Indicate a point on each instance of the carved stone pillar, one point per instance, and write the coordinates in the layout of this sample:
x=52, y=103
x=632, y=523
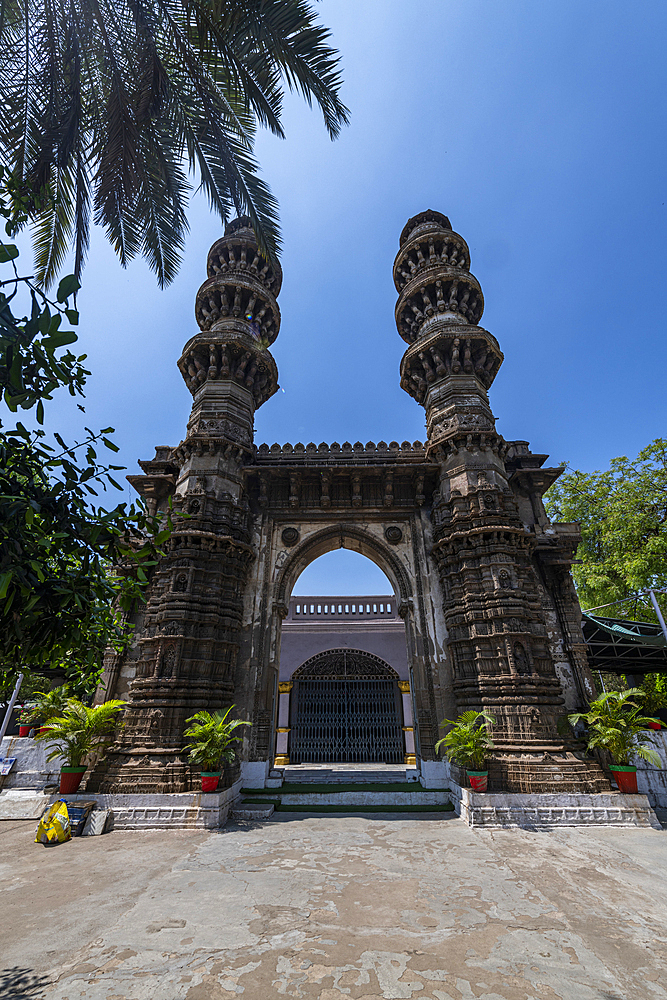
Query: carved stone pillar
x=483, y=550
x=191, y=631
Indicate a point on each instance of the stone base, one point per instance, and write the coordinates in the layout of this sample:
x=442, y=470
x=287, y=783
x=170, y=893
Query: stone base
x=542, y=772
x=176, y=811
x=255, y=772
x=23, y=803
x=148, y=772
x=551, y=809
x=434, y=773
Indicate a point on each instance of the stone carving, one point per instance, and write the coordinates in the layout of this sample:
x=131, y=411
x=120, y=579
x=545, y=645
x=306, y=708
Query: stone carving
x=393, y=534
x=290, y=536
x=345, y=663
x=167, y=661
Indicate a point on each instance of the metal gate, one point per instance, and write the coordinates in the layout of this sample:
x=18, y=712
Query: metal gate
x=349, y=713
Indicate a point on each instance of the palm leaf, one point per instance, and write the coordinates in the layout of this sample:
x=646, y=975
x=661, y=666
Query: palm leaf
x=81, y=730
x=101, y=99
x=211, y=738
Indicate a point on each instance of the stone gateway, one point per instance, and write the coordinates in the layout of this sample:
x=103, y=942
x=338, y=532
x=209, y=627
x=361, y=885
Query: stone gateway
x=481, y=578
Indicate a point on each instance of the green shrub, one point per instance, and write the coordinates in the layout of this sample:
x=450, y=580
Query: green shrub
x=468, y=741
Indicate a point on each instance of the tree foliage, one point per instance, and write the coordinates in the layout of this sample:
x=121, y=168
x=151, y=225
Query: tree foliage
x=105, y=105
x=47, y=705
x=61, y=603
x=623, y=515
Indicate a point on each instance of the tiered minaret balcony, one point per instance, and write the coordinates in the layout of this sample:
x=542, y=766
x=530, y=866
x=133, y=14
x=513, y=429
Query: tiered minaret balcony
x=439, y=306
x=238, y=316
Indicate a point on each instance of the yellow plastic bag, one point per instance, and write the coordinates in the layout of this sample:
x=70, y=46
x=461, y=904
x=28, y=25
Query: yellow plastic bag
x=54, y=826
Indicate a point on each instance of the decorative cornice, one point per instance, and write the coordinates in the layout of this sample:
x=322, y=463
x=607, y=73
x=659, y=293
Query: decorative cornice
x=345, y=454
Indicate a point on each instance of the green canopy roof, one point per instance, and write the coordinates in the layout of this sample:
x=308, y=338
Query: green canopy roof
x=623, y=646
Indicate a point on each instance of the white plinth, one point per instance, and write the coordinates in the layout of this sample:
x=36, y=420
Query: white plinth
x=255, y=772
x=172, y=811
x=550, y=809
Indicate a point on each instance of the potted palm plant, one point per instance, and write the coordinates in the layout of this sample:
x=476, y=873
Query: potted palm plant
x=616, y=723
x=467, y=743
x=47, y=705
x=211, y=742
x=77, y=733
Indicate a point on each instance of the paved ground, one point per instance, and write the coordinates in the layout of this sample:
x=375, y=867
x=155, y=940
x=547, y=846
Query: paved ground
x=336, y=907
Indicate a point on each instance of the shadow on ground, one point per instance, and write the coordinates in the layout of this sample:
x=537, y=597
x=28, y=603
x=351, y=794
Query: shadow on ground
x=21, y=984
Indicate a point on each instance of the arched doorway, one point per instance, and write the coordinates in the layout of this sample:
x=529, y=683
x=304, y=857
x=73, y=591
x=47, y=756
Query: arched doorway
x=346, y=708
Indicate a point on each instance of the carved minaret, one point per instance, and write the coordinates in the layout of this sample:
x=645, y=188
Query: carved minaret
x=227, y=366
x=188, y=639
x=485, y=551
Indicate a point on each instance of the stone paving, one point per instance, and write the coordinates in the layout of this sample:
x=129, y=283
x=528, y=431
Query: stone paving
x=337, y=906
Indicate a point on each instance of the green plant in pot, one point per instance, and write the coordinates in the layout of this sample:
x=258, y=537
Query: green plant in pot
x=47, y=705
x=616, y=723
x=24, y=720
x=211, y=741
x=467, y=744
x=77, y=734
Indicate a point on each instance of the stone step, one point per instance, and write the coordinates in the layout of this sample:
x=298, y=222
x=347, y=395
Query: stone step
x=343, y=773
x=340, y=796
x=346, y=809
x=348, y=797
x=252, y=811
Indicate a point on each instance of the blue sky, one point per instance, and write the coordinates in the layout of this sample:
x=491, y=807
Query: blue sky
x=539, y=129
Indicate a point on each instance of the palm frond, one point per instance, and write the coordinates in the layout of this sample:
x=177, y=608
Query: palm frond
x=211, y=738
x=101, y=99
x=468, y=740
x=81, y=730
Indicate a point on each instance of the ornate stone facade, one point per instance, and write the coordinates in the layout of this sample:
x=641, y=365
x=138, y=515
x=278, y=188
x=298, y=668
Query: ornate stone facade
x=457, y=523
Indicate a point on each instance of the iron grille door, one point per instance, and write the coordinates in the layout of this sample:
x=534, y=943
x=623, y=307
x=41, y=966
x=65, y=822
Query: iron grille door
x=346, y=721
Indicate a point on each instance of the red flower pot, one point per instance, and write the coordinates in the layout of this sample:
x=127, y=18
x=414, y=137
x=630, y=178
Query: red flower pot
x=24, y=730
x=209, y=780
x=655, y=725
x=478, y=780
x=70, y=779
x=44, y=729
x=626, y=778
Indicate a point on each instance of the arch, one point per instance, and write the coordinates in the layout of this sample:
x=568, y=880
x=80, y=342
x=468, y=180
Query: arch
x=334, y=537
x=344, y=664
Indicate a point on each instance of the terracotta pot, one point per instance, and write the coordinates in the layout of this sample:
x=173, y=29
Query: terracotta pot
x=478, y=780
x=24, y=730
x=655, y=725
x=626, y=778
x=70, y=779
x=209, y=780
